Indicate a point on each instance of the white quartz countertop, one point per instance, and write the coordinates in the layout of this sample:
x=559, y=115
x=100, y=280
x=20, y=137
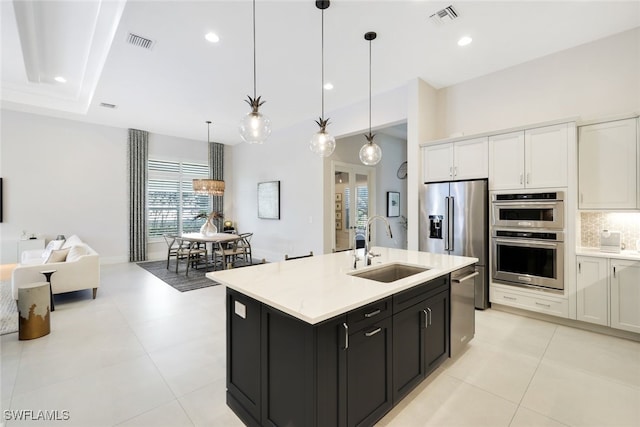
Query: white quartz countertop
x=318, y=288
x=596, y=252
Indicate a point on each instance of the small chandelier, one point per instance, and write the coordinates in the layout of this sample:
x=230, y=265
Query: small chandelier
x=370, y=153
x=255, y=127
x=322, y=143
x=208, y=187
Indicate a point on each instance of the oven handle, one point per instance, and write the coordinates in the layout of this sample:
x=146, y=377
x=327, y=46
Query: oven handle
x=551, y=204
x=527, y=243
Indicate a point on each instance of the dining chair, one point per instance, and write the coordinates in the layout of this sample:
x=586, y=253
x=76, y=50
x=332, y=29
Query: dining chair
x=229, y=252
x=172, y=247
x=192, y=253
x=289, y=258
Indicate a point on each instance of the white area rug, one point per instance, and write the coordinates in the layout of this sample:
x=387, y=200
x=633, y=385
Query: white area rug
x=8, y=309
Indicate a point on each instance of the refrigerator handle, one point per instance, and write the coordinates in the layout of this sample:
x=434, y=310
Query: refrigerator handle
x=446, y=218
x=450, y=224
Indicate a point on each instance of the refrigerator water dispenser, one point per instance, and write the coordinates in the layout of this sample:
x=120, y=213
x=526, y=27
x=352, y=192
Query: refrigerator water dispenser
x=435, y=226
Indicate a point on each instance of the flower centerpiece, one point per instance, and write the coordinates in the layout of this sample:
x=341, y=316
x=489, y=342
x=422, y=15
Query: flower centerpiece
x=209, y=227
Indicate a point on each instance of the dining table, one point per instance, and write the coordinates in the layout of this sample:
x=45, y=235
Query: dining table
x=214, y=238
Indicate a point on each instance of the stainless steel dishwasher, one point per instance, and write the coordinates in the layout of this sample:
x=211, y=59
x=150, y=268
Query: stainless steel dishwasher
x=463, y=314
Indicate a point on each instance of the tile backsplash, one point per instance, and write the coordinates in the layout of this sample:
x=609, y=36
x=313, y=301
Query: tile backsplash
x=592, y=223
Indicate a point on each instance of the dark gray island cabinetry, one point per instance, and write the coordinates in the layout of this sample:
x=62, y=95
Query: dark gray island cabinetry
x=346, y=371
x=311, y=342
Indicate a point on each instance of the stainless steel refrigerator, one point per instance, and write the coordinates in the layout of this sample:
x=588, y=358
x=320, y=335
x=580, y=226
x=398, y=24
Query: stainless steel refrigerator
x=454, y=220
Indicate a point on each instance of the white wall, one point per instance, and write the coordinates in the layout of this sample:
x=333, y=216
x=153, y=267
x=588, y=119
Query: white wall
x=68, y=177
x=63, y=177
x=591, y=81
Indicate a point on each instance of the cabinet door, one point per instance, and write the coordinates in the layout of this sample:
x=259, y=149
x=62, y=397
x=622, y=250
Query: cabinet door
x=506, y=161
x=593, y=290
x=607, y=168
x=625, y=295
x=437, y=162
x=546, y=156
x=436, y=341
x=243, y=356
x=369, y=391
x=471, y=159
x=408, y=354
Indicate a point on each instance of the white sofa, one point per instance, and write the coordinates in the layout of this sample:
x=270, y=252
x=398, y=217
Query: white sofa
x=79, y=270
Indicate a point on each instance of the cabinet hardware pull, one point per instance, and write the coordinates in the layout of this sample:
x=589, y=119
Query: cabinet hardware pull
x=426, y=319
x=520, y=178
x=544, y=305
x=450, y=171
x=346, y=335
x=465, y=278
x=528, y=177
x=579, y=268
x=372, y=333
x=509, y=298
x=455, y=171
x=429, y=310
x=614, y=271
x=373, y=313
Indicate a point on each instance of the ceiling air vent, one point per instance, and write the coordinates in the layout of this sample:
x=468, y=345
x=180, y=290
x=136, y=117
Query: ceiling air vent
x=444, y=16
x=140, y=41
x=105, y=105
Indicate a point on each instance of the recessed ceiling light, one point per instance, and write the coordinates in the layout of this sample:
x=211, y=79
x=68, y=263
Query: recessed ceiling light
x=328, y=86
x=212, y=37
x=60, y=79
x=464, y=41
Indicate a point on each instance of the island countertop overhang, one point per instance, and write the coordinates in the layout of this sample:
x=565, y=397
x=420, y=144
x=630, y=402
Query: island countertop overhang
x=318, y=288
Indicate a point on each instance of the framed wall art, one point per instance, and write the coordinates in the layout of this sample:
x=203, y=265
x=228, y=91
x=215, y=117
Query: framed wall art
x=269, y=200
x=393, y=203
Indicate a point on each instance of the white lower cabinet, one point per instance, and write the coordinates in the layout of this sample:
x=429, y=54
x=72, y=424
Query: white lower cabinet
x=593, y=290
x=529, y=300
x=609, y=292
x=625, y=295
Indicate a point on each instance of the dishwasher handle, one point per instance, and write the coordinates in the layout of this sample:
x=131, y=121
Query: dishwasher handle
x=467, y=277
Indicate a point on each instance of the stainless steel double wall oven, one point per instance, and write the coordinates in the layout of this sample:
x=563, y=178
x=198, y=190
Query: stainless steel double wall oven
x=528, y=239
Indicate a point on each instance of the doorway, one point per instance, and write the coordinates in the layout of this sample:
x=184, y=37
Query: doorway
x=354, y=193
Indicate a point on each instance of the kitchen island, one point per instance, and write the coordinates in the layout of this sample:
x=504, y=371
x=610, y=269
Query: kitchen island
x=311, y=344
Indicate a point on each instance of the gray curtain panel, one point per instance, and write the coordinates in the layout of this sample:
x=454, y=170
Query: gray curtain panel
x=138, y=156
x=216, y=171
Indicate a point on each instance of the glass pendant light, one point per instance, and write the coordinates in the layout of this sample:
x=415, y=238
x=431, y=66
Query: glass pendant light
x=370, y=153
x=255, y=127
x=322, y=143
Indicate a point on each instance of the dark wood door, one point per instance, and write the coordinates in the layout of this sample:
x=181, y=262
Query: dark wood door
x=436, y=341
x=408, y=350
x=369, y=388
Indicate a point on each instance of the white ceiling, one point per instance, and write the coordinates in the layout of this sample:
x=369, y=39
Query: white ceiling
x=184, y=80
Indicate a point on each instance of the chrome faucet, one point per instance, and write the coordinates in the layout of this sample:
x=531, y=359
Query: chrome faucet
x=367, y=252
x=355, y=248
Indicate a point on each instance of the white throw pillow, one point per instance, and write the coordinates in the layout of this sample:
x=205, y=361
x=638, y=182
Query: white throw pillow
x=75, y=252
x=72, y=241
x=53, y=245
x=57, y=256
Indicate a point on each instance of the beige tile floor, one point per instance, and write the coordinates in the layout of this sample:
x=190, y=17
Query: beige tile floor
x=143, y=354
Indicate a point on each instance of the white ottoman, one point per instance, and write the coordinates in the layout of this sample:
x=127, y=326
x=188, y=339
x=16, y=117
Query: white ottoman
x=33, y=310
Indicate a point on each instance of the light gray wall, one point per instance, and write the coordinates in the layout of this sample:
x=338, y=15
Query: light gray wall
x=68, y=177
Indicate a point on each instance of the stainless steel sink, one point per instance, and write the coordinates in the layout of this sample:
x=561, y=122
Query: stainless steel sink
x=390, y=273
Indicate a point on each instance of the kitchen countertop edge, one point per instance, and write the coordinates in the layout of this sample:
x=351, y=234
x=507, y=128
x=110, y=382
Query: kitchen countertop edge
x=596, y=252
x=319, y=288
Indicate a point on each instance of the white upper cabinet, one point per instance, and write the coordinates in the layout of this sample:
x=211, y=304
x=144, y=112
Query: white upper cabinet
x=506, y=161
x=608, y=165
x=456, y=160
x=534, y=158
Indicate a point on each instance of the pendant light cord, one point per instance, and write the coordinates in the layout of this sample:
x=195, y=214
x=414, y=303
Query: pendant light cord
x=369, y=87
x=322, y=61
x=254, y=49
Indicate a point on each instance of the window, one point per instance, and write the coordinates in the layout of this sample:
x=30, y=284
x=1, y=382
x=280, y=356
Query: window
x=171, y=203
